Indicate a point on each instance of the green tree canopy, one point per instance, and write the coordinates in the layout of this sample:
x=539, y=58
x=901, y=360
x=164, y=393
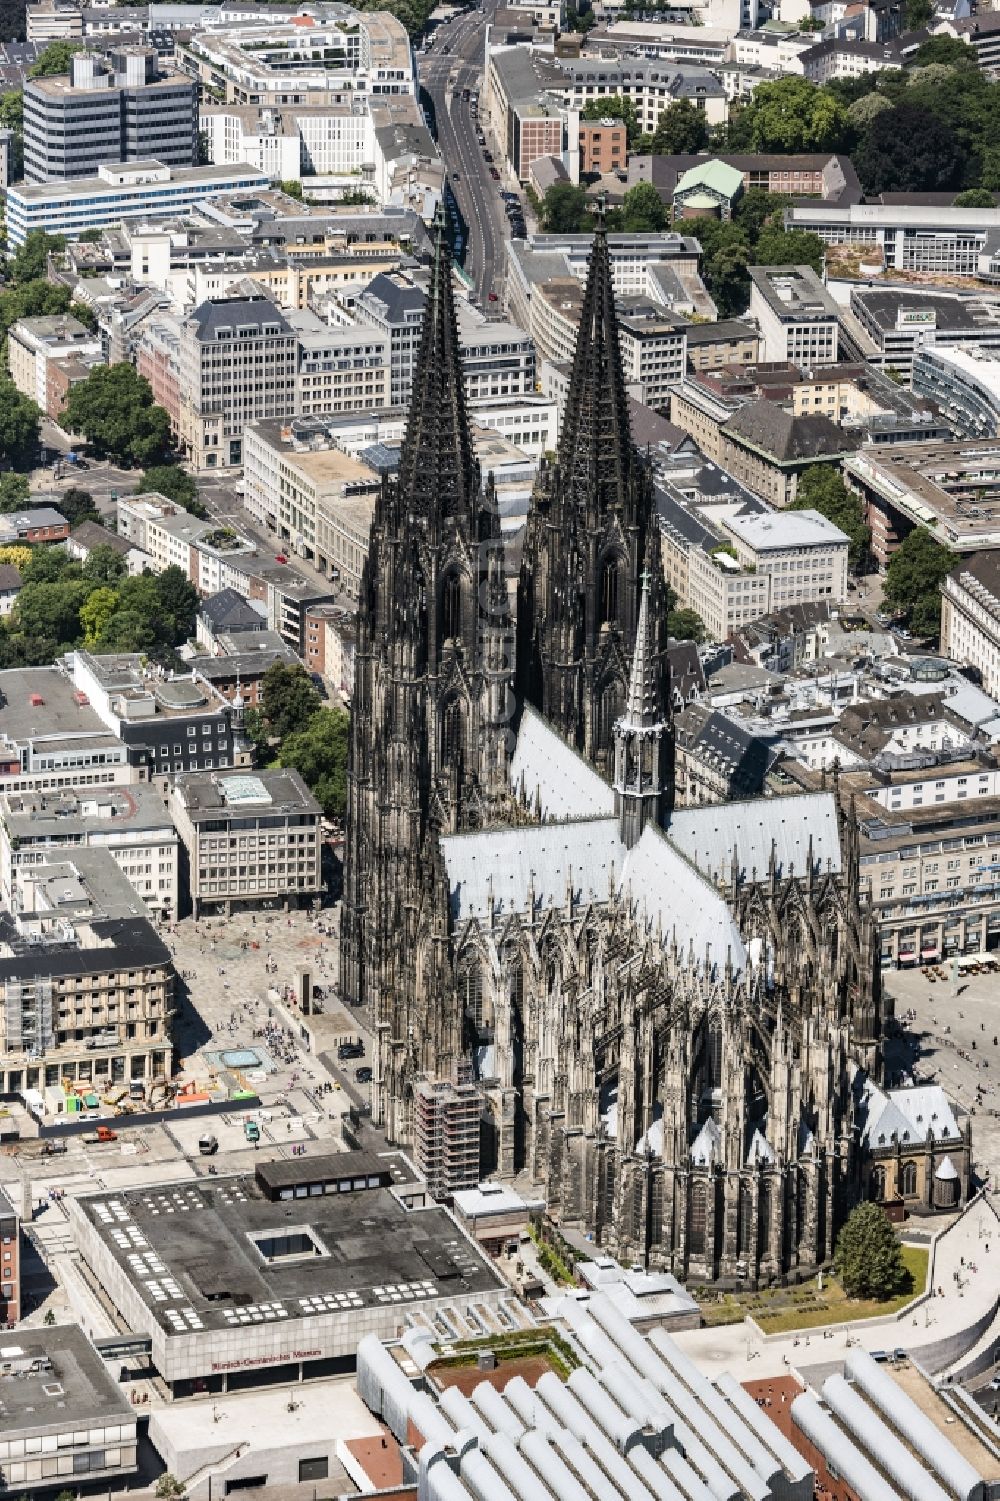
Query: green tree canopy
x=944, y=49
x=19, y=425
x=757, y=208
x=792, y=115
x=14, y=492
x=685, y=625
x=318, y=752
x=104, y=565
x=30, y=261
x=868, y=1258
x=974, y=198
x=288, y=699
x=52, y=610
x=918, y=13
x=907, y=150
x=681, y=130
x=77, y=505
x=913, y=580
x=820, y=488
x=173, y=482
x=642, y=210
x=796, y=247
x=862, y=112
x=54, y=60
x=95, y=612
x=114, y=410
x=564, y=209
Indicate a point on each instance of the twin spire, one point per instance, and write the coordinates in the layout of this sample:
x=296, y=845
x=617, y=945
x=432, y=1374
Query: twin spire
x=595, y=447
x=644, y=704
x=438, y=472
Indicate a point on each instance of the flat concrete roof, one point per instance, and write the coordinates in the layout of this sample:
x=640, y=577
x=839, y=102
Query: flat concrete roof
x=66, y=1383
x=40, y=701
x=224, y=1257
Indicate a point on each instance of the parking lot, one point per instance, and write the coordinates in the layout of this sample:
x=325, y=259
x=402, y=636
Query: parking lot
x=954, y=1040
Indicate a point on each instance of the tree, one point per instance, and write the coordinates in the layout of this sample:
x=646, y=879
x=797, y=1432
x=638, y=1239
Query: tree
x=95, y=612
x=642, y=210
x=104, y=565
x=31, y=259
x=796, y=247
x=16, y=556
x=681, y=130
x=178, y=603
x=907, y=150
x=49, y=1318
x=913, y=580
x=114, y=410
x=820, y=488
x=868, y=1257
x=862, y=112
x=175, y=484
x=288, y=699
x=168, y=1488
x=54, y=60
x=78, y=505
x=52, y=610
x=318, y=752
x=614, y=107
x=685, y=625
x=792, y=115
x=19, y=424
x=758, y=208
x=14, y=492
x=918, y=13
x=32, y=299
x=564, y=209
x=974, y=198
x=128, y=631
x=944, y=49
x=292, y=187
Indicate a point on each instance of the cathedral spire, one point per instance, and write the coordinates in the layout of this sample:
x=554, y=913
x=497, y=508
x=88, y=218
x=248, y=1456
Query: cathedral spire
x=643, y=735
x=643, y=707
x=595, y=451
x=438, y=473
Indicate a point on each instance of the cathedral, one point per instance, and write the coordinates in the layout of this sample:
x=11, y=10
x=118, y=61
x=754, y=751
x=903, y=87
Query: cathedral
x=672, y=1015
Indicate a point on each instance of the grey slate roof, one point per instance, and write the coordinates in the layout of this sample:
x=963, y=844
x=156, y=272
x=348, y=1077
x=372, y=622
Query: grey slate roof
x=237, y=312
x=229, y=611
x=399, y=300
x=767, y=426
x=567, y=785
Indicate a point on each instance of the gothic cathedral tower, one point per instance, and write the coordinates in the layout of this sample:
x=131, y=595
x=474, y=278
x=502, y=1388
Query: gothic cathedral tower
x=578, y=593
x=432, y=694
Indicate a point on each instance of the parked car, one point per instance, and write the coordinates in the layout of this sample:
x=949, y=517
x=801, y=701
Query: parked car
x=350, y=1050
x=494, y=174
x=363, y=1075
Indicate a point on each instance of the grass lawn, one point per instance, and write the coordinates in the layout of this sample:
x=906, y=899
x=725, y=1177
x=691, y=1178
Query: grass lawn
x=780, y=1309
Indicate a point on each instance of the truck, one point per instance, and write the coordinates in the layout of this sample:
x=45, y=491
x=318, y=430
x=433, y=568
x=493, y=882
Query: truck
x=103, y=1133
x=208, y=1144
x=251, y=1131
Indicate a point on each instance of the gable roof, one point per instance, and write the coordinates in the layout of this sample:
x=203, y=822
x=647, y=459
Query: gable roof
x=229, y=611
x=566, y=785
x=714, y=175
x=766, y=426
x=708, y=835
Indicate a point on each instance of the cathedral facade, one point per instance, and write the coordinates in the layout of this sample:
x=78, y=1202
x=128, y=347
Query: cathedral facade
x=673, y=1015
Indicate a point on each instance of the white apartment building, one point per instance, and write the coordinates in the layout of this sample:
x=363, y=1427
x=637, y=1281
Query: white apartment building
x=130, y=822
x=796, y=316
x=342, y=370
x=804, y=554
x=211, y=555
x=654, y=353
x=970, y=617
x=306, y=140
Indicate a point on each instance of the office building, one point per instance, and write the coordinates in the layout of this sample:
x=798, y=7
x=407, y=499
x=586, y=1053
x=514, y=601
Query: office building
x=121, y=108
x=130, y=822
x=970, y=617
x=904, y=236
x=653, y=347
x=66, y=1418
x=767, y=448
x=603, y=146
x=804, y=554
x=964, y=384
x=358, y=1250
x=10, y=1263
x=523, y=101
x=796, y=316
x=250, y=840
x=86, y=983
x=888, y=325
x=446, y=1118
x=122, y=191
x=52, y=737
x=950, y=488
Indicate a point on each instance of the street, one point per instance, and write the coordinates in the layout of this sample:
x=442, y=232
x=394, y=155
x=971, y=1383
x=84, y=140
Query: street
x=468, y=173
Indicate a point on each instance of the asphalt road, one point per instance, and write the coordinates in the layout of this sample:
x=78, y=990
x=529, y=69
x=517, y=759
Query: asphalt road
x=469, y=175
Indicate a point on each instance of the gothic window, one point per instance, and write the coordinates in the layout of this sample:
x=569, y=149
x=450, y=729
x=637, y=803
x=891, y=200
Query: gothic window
x=470, y=987
x=515, y=981
x=744, y=1220
x=698, y=1219
x=908, y=1184
x=608, y=597
x=713, y=1055
x=452, y=732
x=801, y=1207
x=451, y=606
x=946, y=1192
x=609, y=707
x=877, y=1185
